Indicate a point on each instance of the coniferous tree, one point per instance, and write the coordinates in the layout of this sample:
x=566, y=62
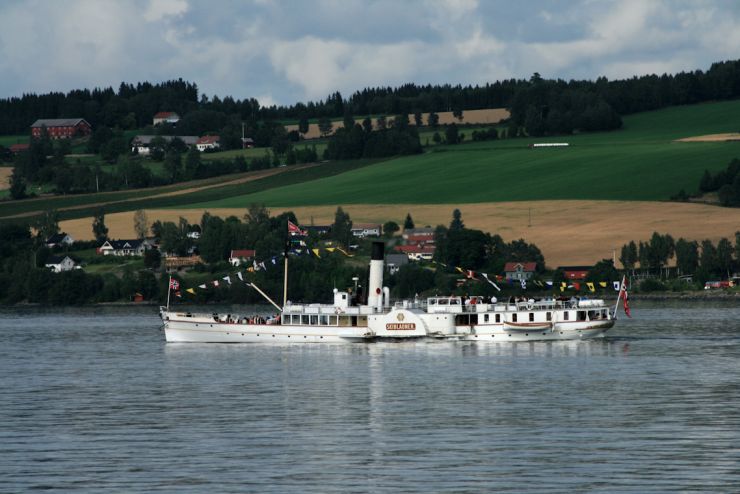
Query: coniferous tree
x=100, y=231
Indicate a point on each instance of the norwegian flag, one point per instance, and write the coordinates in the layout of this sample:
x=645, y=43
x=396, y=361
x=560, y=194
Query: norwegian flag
x=174, y=284
x=625, y=299
x=294, y=229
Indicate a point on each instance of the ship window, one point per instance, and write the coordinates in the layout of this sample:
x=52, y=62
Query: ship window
x=498, y=317
x=549, y=316
x=324, y=320
x=513, y=318
x=304, y=319
x=531, y=317
x=314, y=320
x=581, y=315
x=566, y=315
x=332, y=320
x=485, y=318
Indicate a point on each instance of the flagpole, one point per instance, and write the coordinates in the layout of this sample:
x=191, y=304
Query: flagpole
x=285, y=281
x=621, y=288
x=169, y=282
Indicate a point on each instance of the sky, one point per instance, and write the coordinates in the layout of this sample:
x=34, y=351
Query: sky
x=282, y=52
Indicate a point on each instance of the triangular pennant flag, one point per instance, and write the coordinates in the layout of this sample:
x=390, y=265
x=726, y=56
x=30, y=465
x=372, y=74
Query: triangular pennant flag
x=494, y=285
x=239, y=274
x=461, y=270
x=590, y=286
x=316, y=253
x=203, y=286
x=227, y=279
x=548, y=283
x=262, y=265
x=563, y=286
x=274, y=260
x=190, y=290
x=331, y=249
x=602, y=284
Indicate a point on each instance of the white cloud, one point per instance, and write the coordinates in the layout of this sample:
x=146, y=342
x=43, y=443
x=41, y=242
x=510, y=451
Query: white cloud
x=288, y=52
x=160, y=9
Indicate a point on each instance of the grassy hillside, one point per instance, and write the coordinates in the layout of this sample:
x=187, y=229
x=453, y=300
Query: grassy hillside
x=639, y=162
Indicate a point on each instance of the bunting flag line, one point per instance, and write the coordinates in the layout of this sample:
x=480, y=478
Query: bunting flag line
x=203, y=286
x=227, y=279
x=494, y=285
x=344, y=252
x=316, y=253
x=190, y=290
x=590, y=286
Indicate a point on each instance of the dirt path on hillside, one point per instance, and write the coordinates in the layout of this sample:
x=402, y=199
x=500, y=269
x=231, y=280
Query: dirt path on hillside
x=246, y=177
x=712, y=138
x=567, y=232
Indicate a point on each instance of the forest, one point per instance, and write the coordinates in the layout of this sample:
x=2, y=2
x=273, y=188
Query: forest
x=538, y=104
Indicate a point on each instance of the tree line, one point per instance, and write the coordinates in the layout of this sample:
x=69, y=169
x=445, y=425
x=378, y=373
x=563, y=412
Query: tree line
x=704, y=260
x=537, y=104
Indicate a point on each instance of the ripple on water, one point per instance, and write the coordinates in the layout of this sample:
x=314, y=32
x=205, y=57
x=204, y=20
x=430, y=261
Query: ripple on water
x=93, y=399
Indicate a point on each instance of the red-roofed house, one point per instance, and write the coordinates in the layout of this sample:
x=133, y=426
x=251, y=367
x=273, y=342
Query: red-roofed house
x=239, y=256
x=519, y=270
x=417, y=252
x=208, y=142
x=575, y=272
x=419, y=239
x=169, y=117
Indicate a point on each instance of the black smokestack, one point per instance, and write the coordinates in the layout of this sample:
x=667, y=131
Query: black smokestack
x=378, y=252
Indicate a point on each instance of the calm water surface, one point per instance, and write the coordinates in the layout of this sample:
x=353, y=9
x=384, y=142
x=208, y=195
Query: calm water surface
x=94, y=400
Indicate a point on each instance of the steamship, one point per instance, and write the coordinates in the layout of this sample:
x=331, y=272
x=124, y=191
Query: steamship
x=451, y=318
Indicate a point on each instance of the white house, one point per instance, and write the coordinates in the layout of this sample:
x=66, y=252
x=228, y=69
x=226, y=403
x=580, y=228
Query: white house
x=123, y=248
x=61, y=263
x=142, y=144
x=240, y=256
x=363, y=231
x=519, y=270
x=62, y=239
x=169, y=117
x=394, y=262
x=208, y=142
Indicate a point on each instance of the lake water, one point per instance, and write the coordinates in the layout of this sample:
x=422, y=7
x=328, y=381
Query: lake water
x=95, y=400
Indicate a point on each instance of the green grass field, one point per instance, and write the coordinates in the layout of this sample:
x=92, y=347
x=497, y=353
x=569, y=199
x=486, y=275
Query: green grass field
x=8, y=141
x=638, y=162
x=260, y=152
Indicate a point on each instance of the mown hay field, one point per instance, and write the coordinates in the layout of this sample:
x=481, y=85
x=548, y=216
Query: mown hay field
x=567, y=232
x=474, y=117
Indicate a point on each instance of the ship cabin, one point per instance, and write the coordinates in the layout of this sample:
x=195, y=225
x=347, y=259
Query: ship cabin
x=342, y=313
x=472, y=311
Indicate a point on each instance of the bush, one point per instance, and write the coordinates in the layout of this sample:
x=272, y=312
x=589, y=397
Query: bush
x=648, y=286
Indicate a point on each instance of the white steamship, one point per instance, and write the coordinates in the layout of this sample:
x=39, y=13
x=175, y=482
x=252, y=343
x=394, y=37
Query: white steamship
x=452, y=318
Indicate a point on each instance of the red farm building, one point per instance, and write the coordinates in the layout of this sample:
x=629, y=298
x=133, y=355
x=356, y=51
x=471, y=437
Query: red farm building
x=61, y=128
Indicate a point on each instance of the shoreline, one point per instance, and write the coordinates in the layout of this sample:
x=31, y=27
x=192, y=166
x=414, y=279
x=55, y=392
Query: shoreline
x=708, y=296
